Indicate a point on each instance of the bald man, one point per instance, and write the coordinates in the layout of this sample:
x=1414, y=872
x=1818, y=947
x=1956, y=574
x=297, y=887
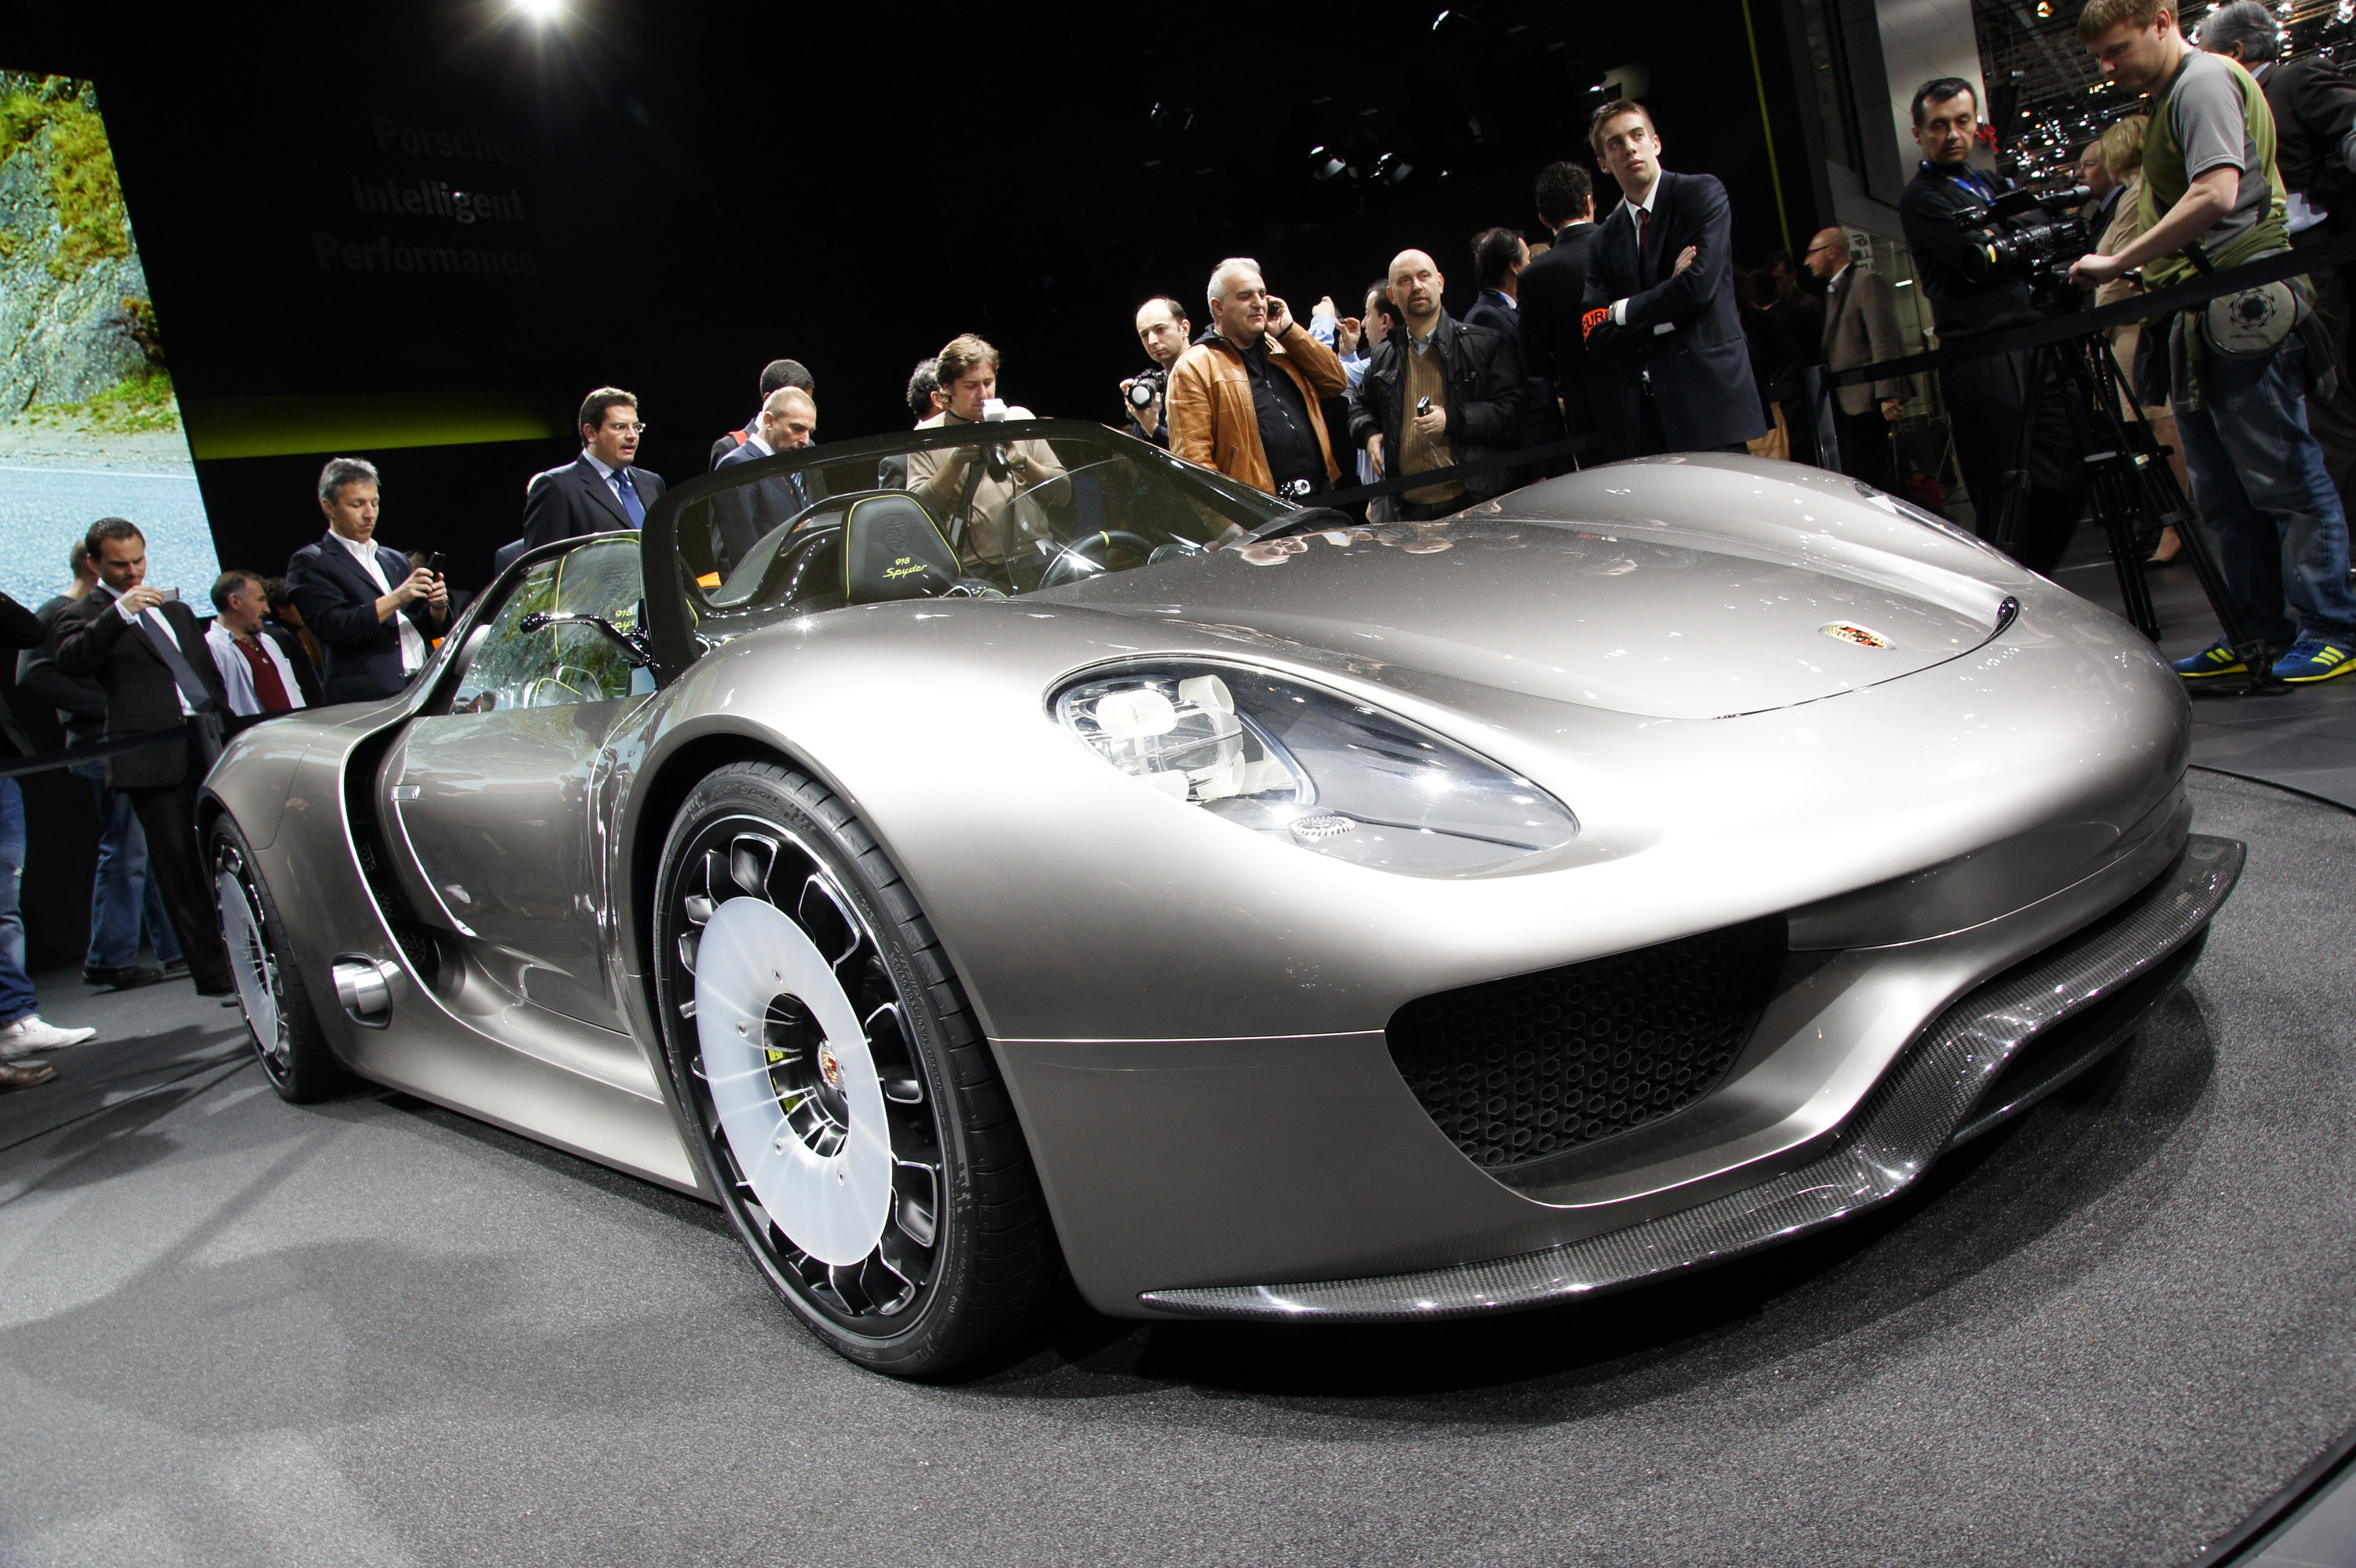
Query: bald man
x=738, y=518
x=1860, y=328
x=1437, y=392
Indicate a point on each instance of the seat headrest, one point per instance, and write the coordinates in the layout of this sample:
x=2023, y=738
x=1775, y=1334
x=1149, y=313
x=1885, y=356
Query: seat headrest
x=892, y=548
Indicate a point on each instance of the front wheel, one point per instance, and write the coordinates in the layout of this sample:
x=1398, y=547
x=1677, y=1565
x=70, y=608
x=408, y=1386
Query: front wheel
x=286, y=1036
x=844, y=1106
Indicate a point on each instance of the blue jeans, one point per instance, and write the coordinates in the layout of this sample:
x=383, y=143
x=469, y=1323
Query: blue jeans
x=16, y=998
x=2259, y=478
x=122, y=891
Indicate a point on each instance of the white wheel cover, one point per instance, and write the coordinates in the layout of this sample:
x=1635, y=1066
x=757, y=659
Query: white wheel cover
x=241, y=934
x=834, y=1208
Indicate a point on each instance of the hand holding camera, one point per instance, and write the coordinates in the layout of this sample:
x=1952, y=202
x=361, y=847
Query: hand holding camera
x=1430, y=421
x=141, y=599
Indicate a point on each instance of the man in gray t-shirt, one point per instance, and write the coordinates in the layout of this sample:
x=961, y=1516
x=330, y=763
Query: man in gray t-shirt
x=2258, y=474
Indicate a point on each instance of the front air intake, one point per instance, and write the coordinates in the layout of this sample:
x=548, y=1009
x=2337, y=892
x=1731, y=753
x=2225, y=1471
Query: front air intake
x=1517, y=1070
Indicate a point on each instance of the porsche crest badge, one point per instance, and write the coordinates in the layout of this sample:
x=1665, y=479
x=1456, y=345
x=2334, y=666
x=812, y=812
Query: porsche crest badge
x=1849, y=632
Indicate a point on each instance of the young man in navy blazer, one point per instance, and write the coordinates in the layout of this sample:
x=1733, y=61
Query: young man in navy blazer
x=1660, y=297
x=599, y=491
x=375, y=618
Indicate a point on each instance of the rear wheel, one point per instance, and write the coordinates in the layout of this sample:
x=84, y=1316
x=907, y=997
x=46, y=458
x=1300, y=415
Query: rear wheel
x=844, y=1105
x=286, y=1036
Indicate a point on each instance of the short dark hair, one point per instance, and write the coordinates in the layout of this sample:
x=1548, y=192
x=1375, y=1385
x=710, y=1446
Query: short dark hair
x=923, y=383
x=1494, y=251
x=342, y=471
x=594, y=406
x=1940, y=88
x=779, y=373
x=227, y=582
x=107, y=528
x=273, y=589
x=1564, y=191
x=960, y=355
x=1381, y=290
x=1607, y=112
x=1177, y=312
x=79, y=556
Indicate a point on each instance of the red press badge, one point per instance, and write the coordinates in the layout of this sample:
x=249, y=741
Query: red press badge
x=1592, y=320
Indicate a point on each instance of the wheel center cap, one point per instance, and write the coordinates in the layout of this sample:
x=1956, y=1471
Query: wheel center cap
x=830, y=1067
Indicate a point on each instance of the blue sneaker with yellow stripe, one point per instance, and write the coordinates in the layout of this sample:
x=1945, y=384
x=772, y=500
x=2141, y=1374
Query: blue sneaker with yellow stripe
x=2311, y=659
x=2217, y=659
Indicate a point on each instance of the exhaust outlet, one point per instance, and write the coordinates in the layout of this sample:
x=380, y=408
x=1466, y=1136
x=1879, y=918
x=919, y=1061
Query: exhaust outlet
x=364, y=987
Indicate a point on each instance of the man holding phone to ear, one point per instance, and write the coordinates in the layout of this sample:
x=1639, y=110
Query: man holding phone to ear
x=375, y=618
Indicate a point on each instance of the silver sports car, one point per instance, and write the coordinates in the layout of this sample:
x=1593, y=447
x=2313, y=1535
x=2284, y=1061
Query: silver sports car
x=980, y=854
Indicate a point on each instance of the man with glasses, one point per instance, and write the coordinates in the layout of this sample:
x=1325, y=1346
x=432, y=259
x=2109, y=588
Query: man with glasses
x=599, y=491
x=1860, y=328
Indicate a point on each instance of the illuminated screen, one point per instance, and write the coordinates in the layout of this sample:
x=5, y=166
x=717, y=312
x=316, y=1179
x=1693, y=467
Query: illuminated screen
x=88, y=427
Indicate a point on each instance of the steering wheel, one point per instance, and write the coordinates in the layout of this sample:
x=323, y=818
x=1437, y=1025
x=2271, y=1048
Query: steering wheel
x=1063, y=569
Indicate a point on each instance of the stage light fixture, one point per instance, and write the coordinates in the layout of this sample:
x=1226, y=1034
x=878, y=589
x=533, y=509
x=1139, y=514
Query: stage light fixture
x=541, y=11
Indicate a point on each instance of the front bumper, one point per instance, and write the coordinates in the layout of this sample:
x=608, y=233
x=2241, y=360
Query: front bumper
x=2094, y=986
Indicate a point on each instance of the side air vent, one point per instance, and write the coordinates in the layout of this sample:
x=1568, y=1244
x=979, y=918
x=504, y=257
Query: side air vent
x=1517, y=1070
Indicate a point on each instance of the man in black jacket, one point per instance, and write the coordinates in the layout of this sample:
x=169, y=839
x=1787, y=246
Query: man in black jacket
x=1437, y=392
x=148, y=651
x=1553, y=297
x=1986, y=398
x=599, y=491
x=1660, y=297
x=776, y=375
x=375, y=618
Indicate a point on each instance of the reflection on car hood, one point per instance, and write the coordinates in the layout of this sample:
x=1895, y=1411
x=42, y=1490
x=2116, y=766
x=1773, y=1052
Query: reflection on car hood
x=1637, y=617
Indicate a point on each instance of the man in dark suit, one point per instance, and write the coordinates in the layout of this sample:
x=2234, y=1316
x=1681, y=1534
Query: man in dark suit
x=148, y=651
x=599, y=491
x=1860, y=328
x=789, y=423
x=1660, y=297
x=777, y=373
x=376, y=619
x=1552, y=298
x=1500, y=257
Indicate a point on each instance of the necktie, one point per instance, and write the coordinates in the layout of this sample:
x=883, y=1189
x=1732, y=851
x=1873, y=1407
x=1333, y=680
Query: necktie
x=1644, y=236
x=630, y=502
x=801, y=497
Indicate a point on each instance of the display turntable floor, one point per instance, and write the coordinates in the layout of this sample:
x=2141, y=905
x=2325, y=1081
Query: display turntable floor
x=240, y=1332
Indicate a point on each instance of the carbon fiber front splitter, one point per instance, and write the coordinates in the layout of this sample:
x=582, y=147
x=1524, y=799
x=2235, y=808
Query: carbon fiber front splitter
x=2107, y=977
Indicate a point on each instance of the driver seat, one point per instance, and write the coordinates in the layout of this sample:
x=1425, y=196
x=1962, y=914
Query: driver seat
x=892, y=548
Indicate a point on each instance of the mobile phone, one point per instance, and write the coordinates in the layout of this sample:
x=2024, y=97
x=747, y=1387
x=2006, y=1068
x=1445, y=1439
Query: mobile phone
x=433, y=559
x=170, y=594
x=1422, y=407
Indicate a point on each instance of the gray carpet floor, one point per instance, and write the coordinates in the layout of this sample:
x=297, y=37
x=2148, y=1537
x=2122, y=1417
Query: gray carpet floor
x=235, y=1331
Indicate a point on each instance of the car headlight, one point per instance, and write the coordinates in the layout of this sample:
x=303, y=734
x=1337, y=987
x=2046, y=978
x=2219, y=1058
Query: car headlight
x=1319, y=770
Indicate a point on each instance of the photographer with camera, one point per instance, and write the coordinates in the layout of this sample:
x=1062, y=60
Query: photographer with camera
x=1163, y=329
x=1245, y=399
x=972, y=489
x=1988, y=398
x=2237, y=365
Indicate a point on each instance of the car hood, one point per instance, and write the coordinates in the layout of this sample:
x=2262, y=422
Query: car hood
x=1634, y=615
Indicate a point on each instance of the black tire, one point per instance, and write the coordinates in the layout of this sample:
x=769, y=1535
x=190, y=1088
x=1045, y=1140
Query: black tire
x=908, y=1307
x=279, y=1019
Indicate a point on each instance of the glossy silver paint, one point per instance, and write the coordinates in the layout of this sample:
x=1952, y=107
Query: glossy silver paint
x=1190, y=1014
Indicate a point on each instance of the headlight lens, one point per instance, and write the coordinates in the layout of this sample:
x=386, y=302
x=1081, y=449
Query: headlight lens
x=1315, y=770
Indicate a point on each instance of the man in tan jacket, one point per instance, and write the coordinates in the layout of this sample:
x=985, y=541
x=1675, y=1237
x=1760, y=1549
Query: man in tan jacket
x=1860, y=328
x=1245, y=399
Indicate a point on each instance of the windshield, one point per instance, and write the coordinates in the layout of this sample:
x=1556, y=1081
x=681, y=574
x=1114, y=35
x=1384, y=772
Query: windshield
x=988, y=508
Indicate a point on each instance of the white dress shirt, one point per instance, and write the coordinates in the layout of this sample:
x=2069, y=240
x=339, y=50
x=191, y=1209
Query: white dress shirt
x=1644, y=206
x=615, y=486
x=238, y=675
x=413, y=645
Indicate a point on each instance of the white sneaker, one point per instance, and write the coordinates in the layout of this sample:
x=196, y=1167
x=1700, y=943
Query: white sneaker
x=29, y=1034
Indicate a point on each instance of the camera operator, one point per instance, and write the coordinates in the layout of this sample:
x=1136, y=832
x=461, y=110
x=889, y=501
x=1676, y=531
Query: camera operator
x=1163, y=329
x=2209, y=181
x=1987, y=398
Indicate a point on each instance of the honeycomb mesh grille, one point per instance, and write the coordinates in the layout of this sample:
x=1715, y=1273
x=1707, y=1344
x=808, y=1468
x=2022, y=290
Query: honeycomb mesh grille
x=1516, y=1069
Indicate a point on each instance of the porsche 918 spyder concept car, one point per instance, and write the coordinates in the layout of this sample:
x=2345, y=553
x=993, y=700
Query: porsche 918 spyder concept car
x=982, y=853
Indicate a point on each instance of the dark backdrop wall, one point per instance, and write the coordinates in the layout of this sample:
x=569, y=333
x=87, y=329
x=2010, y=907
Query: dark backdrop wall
x=422, y=232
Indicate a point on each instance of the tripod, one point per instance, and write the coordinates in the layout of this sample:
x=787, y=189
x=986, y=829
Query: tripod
x=2131, y=485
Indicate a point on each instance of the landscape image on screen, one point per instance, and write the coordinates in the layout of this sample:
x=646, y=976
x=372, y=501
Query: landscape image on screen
x=89, y=426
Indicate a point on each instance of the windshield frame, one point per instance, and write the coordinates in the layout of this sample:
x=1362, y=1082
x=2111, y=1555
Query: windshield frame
x=680, y=629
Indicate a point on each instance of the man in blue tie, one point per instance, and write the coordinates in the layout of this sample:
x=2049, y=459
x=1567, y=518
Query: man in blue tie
x=599, y=491
x=741, y=517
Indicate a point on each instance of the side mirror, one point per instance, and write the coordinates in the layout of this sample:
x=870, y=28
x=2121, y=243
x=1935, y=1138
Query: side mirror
x=632, y=644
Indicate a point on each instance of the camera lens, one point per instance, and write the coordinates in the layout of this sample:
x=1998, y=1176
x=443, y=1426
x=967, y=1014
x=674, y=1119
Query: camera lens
x=1141, y=394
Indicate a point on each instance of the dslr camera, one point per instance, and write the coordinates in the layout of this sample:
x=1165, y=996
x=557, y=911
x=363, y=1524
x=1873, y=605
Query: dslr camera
x=2026, y=236
x=1147, y=388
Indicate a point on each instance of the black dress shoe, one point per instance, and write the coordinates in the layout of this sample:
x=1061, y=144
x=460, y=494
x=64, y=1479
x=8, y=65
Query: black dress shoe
x=24, y=1074
x=177, y=969
x=123, y=978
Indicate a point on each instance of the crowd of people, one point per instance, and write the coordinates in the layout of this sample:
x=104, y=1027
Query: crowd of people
x=1630, y=336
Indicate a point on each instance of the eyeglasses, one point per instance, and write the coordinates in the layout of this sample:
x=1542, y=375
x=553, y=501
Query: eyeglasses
x=627, y=429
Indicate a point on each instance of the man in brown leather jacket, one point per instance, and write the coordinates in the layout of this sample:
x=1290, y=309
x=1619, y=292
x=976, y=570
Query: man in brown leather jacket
x=1243, y=401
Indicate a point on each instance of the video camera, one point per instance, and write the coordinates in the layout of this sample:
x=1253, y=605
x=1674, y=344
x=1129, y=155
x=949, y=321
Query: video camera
x=2026, y=236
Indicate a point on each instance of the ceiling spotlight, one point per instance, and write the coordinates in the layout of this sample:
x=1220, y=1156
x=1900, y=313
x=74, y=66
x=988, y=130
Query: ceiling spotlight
x=1437, y=20
x=1326, y=167
x=541, y=11
x=1400, y=171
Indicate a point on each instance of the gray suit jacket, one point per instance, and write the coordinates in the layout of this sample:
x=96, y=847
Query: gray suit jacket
x=1861, y=328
